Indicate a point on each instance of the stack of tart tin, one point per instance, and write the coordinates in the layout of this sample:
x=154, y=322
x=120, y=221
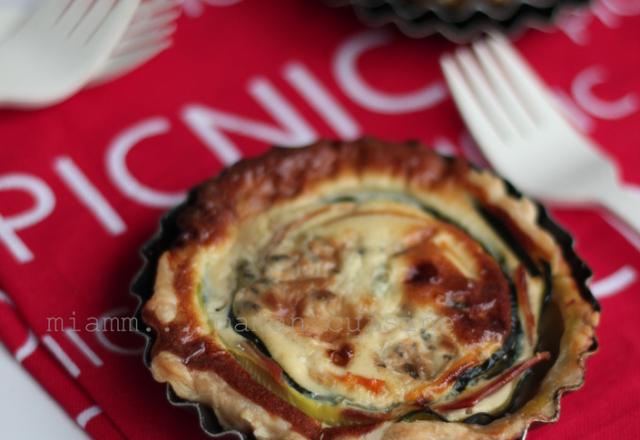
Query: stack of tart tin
x=458, y=20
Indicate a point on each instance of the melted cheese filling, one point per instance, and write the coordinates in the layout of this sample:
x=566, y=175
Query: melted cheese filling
x=370, y=301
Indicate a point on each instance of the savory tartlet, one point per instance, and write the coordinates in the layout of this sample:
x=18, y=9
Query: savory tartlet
x=368, y=290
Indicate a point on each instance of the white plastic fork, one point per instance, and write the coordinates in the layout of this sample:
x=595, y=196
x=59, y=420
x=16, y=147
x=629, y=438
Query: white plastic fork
x=149, y=33
x=82, y=33
x=517, y=125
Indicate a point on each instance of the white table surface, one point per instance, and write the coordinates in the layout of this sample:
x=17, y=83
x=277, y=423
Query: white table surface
x=27, y=412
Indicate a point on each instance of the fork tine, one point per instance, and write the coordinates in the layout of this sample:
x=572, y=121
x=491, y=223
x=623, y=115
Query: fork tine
x=153, y=7
x=485, y=95
x=153, y=21
x=46, y=13
x=526, y=82
x=72, y=15
x=121, y=64
x=92, y=20
x=109, y=18
x=502, y=85
x=127, y=44
x=472, y=113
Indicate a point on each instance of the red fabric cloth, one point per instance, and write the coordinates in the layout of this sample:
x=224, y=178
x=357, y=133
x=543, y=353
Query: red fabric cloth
x=250, y=67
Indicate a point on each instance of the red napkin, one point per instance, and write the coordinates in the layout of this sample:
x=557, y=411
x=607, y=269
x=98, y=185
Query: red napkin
x=83, y=184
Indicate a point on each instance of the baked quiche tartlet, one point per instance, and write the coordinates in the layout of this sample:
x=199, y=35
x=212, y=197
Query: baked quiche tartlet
x=367, y=290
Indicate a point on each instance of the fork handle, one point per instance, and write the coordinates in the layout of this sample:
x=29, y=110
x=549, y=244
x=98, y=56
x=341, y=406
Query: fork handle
x=625, y=204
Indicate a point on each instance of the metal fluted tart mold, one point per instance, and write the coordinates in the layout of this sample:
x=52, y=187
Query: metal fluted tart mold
x=518, y=300
x=142, y=290
x=460, y=22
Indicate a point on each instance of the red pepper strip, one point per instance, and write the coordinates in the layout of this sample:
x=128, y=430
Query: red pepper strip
x=525, y=305
x=373, y=385
x=272, y=367
x=494, y=386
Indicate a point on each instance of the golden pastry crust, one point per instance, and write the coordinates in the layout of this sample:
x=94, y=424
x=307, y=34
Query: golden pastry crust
x=274, y=242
